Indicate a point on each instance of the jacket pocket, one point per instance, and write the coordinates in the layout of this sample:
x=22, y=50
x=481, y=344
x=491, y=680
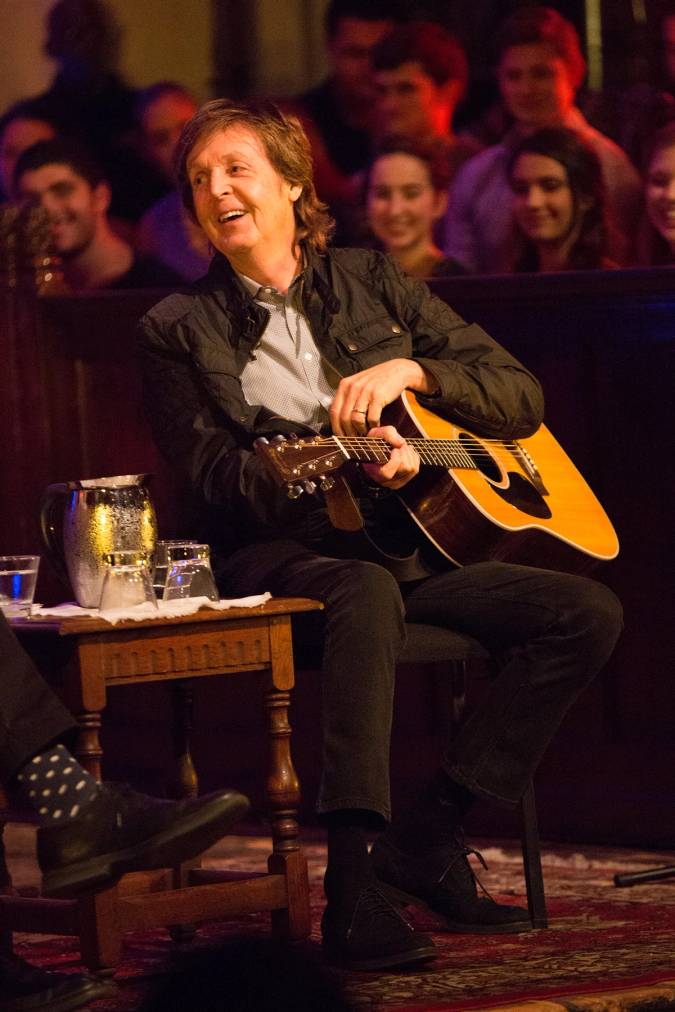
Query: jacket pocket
x=375, y=340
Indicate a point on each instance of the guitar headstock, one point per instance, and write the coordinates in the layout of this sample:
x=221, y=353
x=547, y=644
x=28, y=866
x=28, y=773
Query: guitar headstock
x=292, y=460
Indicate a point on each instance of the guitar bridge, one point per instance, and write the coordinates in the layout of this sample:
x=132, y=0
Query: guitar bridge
x=531, y=468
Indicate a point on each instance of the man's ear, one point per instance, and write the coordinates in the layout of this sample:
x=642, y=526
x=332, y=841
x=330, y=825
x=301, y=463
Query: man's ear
x=102, y=196
x=294, y=191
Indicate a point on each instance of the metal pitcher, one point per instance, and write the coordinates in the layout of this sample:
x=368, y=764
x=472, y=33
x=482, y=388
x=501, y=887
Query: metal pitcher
x=83, y=520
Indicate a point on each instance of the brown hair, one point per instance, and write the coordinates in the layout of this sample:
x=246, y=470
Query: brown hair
x=286, y=146
x=545, y=25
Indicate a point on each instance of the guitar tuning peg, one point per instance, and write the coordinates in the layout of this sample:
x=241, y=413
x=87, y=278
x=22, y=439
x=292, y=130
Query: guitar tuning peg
x=263, y=441
x=309, y=487
x=294, y=491
x=326, y=484
x=293, y=437
x=278, y=440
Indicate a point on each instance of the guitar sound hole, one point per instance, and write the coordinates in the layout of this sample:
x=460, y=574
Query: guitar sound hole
x=519, y=492
x=483, y=461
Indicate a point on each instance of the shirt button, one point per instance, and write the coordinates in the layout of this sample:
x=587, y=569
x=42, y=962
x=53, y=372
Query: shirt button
x=351, y=347
x=395, y=329
x=308, y=356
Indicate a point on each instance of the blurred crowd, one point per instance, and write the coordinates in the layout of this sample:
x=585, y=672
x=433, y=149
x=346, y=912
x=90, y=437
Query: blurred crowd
x=405, y=157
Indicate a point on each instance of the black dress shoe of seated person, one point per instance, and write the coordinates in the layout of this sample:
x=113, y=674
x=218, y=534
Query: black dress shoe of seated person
x=373, y=937
x=26, y=988
x=443, y=882
x=123, y=831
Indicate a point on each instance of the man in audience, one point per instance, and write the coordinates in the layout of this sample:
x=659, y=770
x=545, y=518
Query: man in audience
x=165, y=230
x=540, y=67
x=20, y=127
x=288, y=335
x=420, y=73
x=338, y=114
x=89, y=834
x=63, y=178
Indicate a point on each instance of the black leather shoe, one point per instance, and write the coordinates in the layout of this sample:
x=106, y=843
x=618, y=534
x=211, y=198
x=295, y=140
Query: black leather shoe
x=374, y=937
x=26, y=988
x=122, y=831
x=443, y=882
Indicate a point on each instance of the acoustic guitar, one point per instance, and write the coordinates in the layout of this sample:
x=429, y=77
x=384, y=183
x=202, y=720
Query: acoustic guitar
x=475, y=499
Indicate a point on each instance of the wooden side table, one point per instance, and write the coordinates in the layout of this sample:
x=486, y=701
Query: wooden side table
x=90, y=655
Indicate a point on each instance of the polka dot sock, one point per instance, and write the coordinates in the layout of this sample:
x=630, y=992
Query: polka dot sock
x=56, y=786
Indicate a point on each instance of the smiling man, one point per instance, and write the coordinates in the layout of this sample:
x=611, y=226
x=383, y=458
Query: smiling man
x=539, y=69
x=286, y=335
x=62, y=178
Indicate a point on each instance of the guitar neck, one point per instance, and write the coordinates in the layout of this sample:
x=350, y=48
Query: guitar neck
x=437, y=452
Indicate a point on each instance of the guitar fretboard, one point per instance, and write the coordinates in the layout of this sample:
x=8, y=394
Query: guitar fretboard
x=438, y=452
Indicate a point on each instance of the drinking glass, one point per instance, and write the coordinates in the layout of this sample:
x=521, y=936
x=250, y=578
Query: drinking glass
x=191, y=577
x=18, y=576
x=127, y=581
x=165, y=553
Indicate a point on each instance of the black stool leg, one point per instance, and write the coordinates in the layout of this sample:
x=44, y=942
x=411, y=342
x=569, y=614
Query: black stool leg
x=534, y=879
x=650, y=875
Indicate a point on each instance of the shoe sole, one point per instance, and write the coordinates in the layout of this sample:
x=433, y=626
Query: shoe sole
x=64, y=1002
x=404, y=899
x=179, y=842
x=400, y=959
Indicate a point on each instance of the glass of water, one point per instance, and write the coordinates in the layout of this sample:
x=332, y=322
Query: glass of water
x=18, y=576
x=127, y=581
x=191, y=577
x=164, y=555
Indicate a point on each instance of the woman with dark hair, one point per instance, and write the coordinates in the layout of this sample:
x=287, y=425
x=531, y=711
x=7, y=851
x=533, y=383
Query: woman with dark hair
x=656, y=243
x=559, y=204
x=406, y=195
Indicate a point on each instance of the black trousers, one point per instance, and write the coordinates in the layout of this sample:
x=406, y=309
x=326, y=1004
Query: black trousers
x=551, y=633
x=31, y=716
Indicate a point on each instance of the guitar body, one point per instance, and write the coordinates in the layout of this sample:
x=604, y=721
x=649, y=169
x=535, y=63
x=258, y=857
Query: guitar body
x=526, y=502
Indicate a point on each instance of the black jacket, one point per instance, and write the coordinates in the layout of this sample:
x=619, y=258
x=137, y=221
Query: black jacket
x=362, y=310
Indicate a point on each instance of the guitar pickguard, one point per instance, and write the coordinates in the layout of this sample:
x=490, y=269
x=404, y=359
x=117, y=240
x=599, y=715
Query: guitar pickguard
x=513, y=487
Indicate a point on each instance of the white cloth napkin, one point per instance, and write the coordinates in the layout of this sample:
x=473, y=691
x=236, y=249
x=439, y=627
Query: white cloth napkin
x=165, y=609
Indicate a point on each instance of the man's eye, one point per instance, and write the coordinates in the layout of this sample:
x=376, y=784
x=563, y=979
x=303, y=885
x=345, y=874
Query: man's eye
x=551, y=185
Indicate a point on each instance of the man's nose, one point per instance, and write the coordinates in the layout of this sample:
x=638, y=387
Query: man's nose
x=670, y=189
x=534, y=197
x=220, y=182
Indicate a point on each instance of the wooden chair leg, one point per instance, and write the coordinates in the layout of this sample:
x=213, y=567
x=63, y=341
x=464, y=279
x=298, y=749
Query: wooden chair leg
x=534, y=879
x=100, y=934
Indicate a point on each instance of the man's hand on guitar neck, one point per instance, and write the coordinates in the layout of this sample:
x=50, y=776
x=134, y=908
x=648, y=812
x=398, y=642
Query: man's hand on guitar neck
x=360, y=399
x=403, y=463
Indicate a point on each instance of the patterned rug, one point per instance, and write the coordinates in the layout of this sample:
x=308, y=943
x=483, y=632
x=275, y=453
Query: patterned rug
x=606, y=950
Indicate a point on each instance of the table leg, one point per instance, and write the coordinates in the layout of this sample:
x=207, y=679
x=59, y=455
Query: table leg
x=283, y=797
x=185, y=783
x=88, y=751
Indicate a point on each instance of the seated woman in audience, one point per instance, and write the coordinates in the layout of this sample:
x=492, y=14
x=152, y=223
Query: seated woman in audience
x=406, y=186
x=656, y=243
x=559, y=204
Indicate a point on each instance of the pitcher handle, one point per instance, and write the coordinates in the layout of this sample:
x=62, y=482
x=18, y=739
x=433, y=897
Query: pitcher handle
x=51, y=524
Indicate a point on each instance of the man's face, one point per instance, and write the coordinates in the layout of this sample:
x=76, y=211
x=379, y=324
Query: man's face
x=668, y=44
x=162, y=122
x=350, y=50
x=535, y=85
x=660, y=193
x=408, y=101
x=241, y=202
x=18, y=135
x=75, y=208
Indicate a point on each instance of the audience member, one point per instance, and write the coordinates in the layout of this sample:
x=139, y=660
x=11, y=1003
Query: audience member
x=631, y=115
x=338, y=115
x=88, y=100
x=20, y=127
x=406, y=189
x=89, y=834
x=64, y=179
x=656, y=244
x=558, y=203
x=166, y=232
x=540, y=68
x=420, y=74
